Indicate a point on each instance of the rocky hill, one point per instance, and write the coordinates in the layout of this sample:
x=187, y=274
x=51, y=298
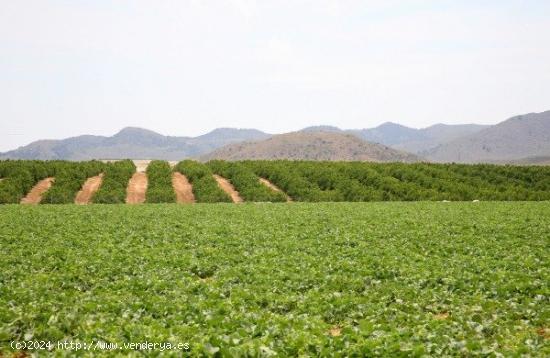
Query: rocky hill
x=312, y=145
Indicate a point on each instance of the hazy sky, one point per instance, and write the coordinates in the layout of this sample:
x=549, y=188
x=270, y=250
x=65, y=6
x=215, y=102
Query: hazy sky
x=185, y=67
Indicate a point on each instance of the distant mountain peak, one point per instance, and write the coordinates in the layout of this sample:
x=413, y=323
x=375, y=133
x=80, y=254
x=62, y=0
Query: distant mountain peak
x=321, y=128
x=437, y=125
x=227, y=130
x=228, y=133
x=136, y=130
x=392, y=125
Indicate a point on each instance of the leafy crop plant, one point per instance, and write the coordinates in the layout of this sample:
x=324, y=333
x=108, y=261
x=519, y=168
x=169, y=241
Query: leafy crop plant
x=305, y=279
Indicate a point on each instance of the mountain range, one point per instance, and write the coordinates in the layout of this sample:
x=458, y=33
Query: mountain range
x=133, y=143
x=521, y=140
x=405, y=138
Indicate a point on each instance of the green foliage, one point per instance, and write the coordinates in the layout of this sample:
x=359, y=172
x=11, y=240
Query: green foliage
x=301, y=180
x=159, y=187
x=245, y=181
x=115, y=181
x=19, y=176
x=393, y=181
x=363, y=181
x=286, y=177
x=331, y=178
x=14, y=187
x=392, y=279
x=205, y=188
x=69, y=179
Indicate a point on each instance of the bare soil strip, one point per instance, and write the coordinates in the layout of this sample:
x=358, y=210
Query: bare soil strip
x=183, y=189
x=137, y=186
x=228, y=188
x=273, y=187
x=84, y=196
x=35, y=195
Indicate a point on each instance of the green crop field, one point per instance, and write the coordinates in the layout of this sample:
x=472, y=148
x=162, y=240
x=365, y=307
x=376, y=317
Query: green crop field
x=353, y=279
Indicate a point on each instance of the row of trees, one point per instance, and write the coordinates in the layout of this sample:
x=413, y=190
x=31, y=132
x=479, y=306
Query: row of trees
x=245, y=181
x=361, y=181
x=159, y=188
x=506, y=182
x=205, y=187
x=19, y=176
x=115, y=181
x=69, y=179
x=284, y=175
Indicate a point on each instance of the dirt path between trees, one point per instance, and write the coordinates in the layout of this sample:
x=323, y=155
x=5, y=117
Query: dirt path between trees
x=137, y=186
x=35, y=195
x=228, y=188
x=92, y=184
x=183, y=189
x=273, y=187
